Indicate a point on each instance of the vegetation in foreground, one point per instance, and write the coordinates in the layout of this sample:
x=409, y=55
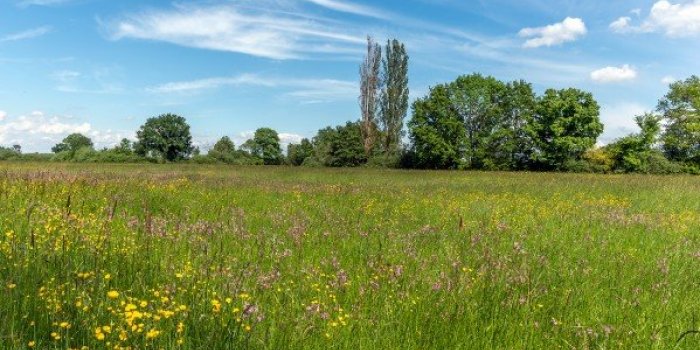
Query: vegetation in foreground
x=206, y=257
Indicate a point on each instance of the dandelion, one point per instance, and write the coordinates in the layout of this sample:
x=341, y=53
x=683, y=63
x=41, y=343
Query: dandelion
x=31, y=344
x=11, y=286
x=113, y=294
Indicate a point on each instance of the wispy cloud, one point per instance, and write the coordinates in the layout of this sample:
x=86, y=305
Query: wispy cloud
x=27, y=34
x=306, y=90
x=25, y=3
x=252, y=31
x=351, y=8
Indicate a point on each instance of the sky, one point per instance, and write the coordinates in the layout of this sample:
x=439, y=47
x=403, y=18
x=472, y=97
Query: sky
x=102, y=67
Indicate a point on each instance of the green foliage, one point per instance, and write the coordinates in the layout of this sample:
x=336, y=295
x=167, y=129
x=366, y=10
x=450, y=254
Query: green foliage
x=394, y=95
x=567, y=124
x=125, y=147
x=681, y=111
x=265, y=145
x=7, y=153
x=298, y=153
x=223, y=151
x=166, y=137
x=72, y=143
x=437, y=132
x=341, y=146
x=474, y=122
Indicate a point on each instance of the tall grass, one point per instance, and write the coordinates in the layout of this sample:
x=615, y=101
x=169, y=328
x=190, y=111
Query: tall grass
x=207, y=257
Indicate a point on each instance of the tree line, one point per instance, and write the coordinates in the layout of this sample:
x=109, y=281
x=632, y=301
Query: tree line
x=475, y=122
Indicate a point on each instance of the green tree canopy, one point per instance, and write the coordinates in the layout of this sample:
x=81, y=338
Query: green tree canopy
x=166, y=136
x=265, y=145
x=632, y=153
x=72, y=143
x=341, y=146
x=567, y=124
x=681, y=111
x=437, y=133
x=224, y=150
x=298, y=153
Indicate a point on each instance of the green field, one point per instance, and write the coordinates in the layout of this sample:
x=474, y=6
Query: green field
x=197, y=257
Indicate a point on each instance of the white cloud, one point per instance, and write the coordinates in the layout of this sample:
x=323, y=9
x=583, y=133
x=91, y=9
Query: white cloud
x=350, y=8
x=555, y=34
x=674, y=20
x=614, y=74
x=257, y=32
x=668, y=80
x=621, y=25
x=287, y=138
x=307, y=90
x=619, y=119
x=37, y=132
x=3, y=115
x=27, y=34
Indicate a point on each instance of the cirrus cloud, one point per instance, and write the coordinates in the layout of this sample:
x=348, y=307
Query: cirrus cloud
x=251, y=31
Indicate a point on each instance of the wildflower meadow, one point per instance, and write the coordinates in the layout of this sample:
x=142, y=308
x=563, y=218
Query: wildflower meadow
x=219, y=257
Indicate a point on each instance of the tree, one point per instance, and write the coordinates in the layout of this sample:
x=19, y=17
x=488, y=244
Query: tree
x=72, y=143
x=477, y=100
x=369, y=94
x=341, y=146
x=124, y=147
x=567, y=124
x=298, y=153
x=680, y=109
x=17, y=148
x=166, y=136
x=632, y=153
x=437, y=133
x=224, y=150
x=394, y=96
x=513, y=142
x=265, y=145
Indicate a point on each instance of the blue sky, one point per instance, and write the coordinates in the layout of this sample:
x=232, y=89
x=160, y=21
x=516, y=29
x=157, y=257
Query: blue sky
x=101, y=67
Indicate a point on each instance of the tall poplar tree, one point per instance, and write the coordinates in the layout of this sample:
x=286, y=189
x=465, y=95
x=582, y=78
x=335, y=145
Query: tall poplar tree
x=369, y=94
x=394, y=98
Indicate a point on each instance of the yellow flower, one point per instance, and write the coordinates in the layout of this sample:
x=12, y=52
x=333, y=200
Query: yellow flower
x=100, y=336
x=108, y=277
x=143, y=304
x=31, y=344
x=65, y=325
x=11, y=286
x=107, y=329
x=113, y=294
x=152, y=334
